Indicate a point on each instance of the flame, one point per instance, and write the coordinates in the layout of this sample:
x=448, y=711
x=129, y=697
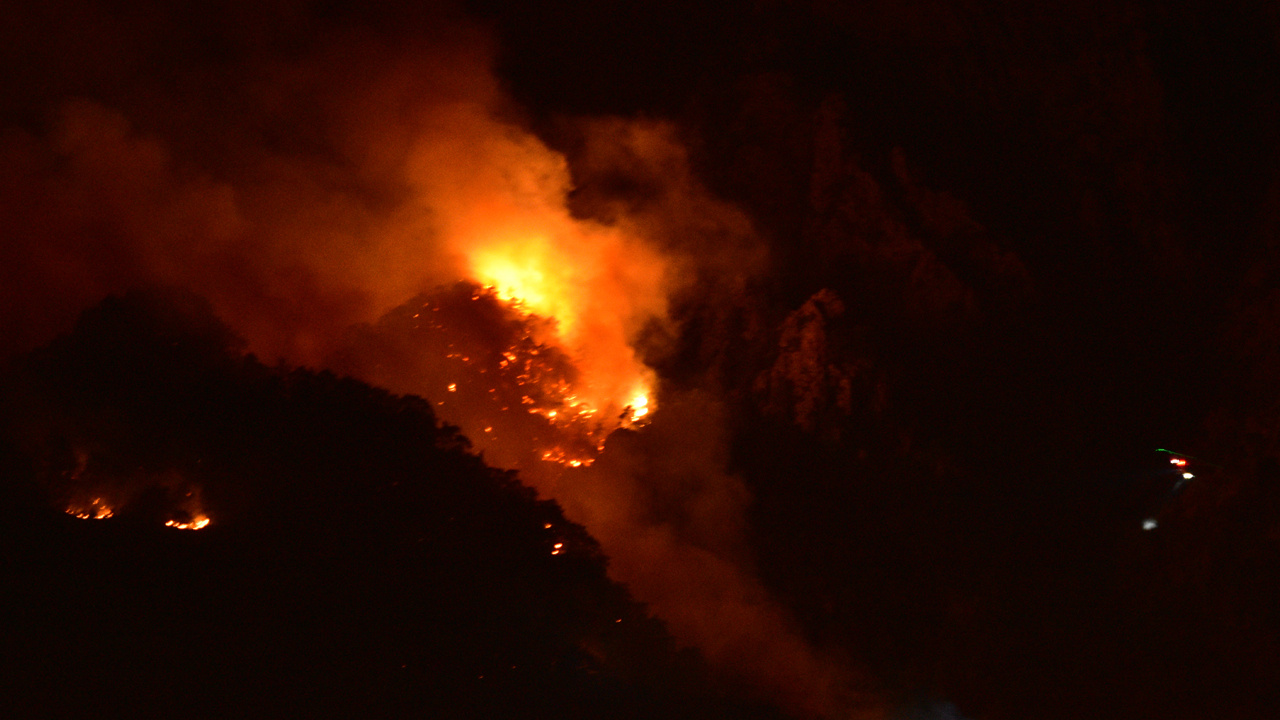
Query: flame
x=97, y=509
x=587, y=317
x=198, y=523
x=99, y=497
x=639, y=406
x=515, y=272
x=499, y=205
x=597, y=286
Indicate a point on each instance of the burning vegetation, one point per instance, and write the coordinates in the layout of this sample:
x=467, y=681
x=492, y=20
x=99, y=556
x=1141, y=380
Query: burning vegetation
x=96, y=509
x=360, y=545
x=498, y=371
x=98, y=493
x=485, y=362
x=891, y=470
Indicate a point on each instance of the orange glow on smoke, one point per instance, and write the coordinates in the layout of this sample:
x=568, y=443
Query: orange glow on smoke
x=598, y=284
x=584, y=284
x=517, y=273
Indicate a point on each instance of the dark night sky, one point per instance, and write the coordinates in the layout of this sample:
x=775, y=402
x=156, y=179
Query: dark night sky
x=949, y=272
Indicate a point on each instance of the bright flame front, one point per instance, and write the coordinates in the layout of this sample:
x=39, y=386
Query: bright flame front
x=598, y=288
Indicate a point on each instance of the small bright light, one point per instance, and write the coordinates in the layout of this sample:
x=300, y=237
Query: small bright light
x=1149, y=524
x=1180, y=462
x=1187, y=476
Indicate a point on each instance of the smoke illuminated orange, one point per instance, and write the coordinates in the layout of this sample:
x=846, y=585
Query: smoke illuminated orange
x=585, y=279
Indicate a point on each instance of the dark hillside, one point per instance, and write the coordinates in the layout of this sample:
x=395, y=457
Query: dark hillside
x=358, y=562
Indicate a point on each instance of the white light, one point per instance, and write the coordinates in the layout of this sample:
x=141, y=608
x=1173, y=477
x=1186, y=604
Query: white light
x=1187, y=476
x=1149, y=524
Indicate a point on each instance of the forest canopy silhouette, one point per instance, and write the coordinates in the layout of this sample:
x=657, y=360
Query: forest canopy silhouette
x=893, y=302
x=359, y=560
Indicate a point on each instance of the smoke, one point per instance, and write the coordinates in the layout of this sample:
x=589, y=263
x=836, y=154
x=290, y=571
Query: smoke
x=292, y=199
x=308, y=181
x=673, y=523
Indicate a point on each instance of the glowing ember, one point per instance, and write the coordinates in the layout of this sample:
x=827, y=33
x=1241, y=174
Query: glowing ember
x=96, y=510
x=98, y=514
x=196, y=524
x=558, y=455
x=590, y=302
x=508, y=377
x=181, y=496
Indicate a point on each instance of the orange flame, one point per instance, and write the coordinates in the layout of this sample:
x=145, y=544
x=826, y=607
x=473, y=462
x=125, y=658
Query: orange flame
x=195, y=524
x=506, y=219
x=95, y=510
x=587, y=280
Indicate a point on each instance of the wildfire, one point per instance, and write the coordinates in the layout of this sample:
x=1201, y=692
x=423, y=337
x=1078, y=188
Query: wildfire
x=506, y=375
x=597, y=287
x=95, y=496
x=514, y=272
x=97, y=510
x=558, y=455
x=195, y=524
x=574, y=407
x=639, y=406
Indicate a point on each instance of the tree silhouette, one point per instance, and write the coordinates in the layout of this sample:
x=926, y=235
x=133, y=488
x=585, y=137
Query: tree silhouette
x=360, y=561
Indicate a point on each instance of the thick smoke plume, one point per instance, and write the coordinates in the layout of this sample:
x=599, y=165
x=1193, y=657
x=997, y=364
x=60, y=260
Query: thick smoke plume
x=294, y=211
x=660, y=502
x=308, y=177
